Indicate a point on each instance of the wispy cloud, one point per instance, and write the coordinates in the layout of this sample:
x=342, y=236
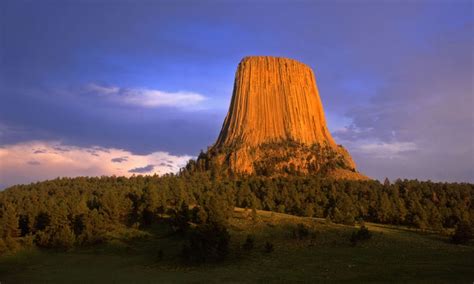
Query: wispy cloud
x=386, y=149
x=119, y=159
x=150, y=98
x=142, y=170
x=20, y=164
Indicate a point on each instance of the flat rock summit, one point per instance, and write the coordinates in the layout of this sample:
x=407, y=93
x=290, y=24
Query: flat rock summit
x=276, y=125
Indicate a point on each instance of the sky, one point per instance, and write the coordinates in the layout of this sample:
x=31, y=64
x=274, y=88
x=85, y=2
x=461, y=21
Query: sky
x=140, y=87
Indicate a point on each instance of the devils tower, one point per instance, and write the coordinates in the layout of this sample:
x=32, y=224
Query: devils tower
x=276, y=125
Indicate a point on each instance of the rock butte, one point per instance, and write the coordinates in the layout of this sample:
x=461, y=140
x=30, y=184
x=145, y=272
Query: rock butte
x=275, y=100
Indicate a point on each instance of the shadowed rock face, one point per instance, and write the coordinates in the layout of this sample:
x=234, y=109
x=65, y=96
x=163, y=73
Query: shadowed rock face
x=276, y=124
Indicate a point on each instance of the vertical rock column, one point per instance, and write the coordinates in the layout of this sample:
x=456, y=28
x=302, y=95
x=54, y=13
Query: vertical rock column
x=274, y=99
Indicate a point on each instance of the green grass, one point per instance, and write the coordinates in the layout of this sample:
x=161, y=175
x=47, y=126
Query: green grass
x=392, y=255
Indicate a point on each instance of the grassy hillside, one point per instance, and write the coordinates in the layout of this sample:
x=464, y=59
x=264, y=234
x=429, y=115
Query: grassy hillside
x=392, y=254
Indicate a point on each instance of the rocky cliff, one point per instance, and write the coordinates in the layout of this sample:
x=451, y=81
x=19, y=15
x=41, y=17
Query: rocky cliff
x=276, y=124
x=274, y=99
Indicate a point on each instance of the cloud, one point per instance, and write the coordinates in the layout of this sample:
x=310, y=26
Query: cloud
x=19, y=164
x=142, y=170
x=119, y=159
x=61, y=149
x=419, y=122
x=388, y=150
x=103, y=90
x=149, y=98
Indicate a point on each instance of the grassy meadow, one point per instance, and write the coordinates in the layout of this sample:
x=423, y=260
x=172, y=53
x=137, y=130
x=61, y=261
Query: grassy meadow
x=393, y=254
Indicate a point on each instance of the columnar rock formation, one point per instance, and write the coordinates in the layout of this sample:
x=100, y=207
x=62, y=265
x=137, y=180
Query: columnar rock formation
x=276, y=125
x=274, y=99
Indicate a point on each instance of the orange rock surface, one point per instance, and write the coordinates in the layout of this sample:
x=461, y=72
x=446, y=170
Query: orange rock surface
x=274, y=99
x=276, y=119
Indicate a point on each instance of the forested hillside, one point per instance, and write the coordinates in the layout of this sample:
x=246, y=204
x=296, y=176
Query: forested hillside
x=68, y=212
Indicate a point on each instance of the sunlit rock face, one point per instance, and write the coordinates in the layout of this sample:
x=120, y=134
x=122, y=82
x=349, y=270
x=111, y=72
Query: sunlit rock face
x=274, y=99
x=276, y=124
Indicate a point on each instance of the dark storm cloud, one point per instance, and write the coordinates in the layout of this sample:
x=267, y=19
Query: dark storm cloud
x=142, y=170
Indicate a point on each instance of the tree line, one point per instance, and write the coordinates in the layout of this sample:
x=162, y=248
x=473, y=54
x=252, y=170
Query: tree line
x=68, y=212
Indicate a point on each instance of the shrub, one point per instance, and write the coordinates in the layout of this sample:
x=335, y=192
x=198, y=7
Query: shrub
x=301, y=232
x=268, y=248
x=8, y=245
x=348, y=220
x=159, y=255
x=63, y=238
x=181, y=219
x=249, y=243
x=60, y=237
x=209, y=242
x=362, y=234
x=463, y=233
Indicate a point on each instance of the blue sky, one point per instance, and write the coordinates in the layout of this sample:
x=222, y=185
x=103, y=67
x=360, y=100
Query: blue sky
x=152, y=80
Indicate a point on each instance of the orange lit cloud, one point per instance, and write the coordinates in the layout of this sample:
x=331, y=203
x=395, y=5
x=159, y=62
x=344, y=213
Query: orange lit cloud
x=41, y=160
